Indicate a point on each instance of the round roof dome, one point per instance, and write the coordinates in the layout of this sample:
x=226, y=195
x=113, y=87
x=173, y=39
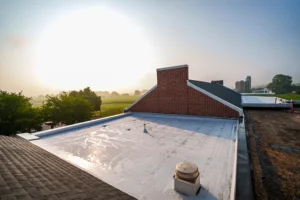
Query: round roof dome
x=187, y=170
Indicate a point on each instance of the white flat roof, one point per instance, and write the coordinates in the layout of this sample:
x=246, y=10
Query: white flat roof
x=138, y=153
x=259, y=99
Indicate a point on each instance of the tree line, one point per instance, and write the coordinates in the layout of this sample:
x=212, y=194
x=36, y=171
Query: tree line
x=17, y=114
x=116, y=94
x=282, y=84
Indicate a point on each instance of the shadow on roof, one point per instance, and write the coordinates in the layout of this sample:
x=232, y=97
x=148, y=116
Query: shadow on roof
x=220, y=128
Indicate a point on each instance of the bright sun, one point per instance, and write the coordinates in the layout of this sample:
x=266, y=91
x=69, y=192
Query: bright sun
x=92, y=47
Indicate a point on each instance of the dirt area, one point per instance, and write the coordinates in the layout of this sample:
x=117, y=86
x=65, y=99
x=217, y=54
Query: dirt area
x=274, y=143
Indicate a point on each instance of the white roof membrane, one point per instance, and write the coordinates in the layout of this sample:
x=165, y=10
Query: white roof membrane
x=260, y=100
x=138, y=153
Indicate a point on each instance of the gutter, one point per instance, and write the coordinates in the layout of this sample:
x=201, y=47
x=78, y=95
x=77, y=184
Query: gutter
x=234, y=173
x=244, y=190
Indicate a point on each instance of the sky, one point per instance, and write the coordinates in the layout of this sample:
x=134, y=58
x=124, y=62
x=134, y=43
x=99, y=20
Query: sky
x=49, y=46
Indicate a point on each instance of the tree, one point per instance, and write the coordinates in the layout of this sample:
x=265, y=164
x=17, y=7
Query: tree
x=17, y=114
x=137, y=92
x=89, y=95
x=114, y=94
x=67, y=109
x=281, y=84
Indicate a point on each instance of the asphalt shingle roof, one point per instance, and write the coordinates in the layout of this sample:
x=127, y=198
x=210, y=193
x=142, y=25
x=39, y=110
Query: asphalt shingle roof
x=29, y=172
x=221, y=92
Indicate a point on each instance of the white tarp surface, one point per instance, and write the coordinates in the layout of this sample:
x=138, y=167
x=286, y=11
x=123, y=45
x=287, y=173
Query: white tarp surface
x=138, y=153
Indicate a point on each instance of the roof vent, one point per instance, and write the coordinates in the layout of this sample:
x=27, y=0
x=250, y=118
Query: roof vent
x=187, y=178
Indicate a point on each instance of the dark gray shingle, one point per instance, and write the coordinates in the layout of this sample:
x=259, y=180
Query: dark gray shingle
x=29, y=172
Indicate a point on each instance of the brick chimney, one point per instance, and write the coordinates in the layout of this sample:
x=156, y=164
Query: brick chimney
x=172, y=89
x=172, y=74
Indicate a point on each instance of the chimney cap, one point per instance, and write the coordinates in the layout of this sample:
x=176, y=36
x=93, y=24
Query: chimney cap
x=172, y=67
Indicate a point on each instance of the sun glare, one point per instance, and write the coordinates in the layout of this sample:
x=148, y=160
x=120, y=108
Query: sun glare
x=92, y=47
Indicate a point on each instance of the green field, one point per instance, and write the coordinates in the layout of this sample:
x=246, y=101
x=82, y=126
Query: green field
x=283, y=96
x=110, y=109
x=121, y=99
x=114, y=105
x=107, y=100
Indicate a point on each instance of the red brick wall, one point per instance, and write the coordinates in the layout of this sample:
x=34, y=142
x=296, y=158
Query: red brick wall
x=203, y=105
x=147, y=104
x=174, y=96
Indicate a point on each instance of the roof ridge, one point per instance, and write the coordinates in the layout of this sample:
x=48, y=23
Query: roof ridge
x=199, y=81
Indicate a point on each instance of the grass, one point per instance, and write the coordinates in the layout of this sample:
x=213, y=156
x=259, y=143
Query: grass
x=114, y=105
x=110, y=109
x=121, y=99
x=283, y=96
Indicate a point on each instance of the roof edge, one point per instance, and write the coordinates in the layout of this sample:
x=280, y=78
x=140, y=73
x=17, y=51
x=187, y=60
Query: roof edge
x=78, y=125
x=173, y=67
x=234, y=170
x=27, y=136
x=141, y=97
x=239, y=110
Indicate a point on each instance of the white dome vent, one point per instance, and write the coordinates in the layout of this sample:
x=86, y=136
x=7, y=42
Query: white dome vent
x=187, y=178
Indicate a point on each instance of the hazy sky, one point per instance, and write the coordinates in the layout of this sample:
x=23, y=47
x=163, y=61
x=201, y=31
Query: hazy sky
x=46, y=46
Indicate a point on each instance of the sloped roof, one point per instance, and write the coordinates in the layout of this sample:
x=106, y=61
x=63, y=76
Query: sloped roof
x=29, y=172
x=220, y=91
